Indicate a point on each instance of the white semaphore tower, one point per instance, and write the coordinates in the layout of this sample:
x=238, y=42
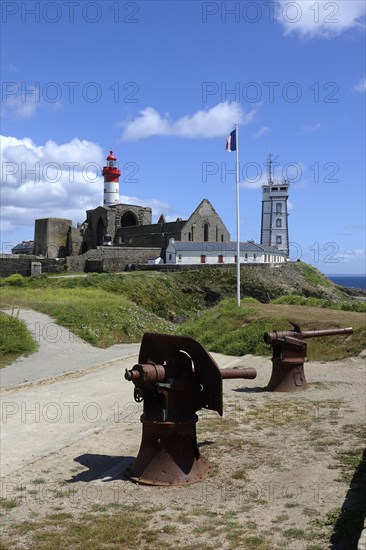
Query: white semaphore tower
x=111, y=175
x=274, y=225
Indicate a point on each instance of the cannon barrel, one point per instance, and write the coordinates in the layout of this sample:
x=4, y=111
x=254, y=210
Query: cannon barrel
x=272, y=337
x=238, y=373
x=150, y=373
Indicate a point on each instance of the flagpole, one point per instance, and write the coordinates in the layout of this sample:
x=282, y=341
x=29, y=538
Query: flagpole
x=237, y=218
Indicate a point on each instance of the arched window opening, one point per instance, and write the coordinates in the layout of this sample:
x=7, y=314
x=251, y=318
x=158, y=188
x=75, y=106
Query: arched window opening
x=205, y=232
x=128, y=218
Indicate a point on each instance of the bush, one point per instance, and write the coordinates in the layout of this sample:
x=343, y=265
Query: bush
x=14, y=280
x=15, y=339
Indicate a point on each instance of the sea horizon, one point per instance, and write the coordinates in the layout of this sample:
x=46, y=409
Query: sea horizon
x=349, y=280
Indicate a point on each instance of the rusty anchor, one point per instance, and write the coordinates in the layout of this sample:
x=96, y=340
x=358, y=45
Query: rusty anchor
x=175, y=377
x=289, y=353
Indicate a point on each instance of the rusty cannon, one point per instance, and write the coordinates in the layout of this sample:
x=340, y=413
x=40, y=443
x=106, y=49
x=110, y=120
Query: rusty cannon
x=289, y=353
x=175, y=377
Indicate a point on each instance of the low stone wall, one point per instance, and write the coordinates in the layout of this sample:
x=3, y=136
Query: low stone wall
x=110, y=259
x=12, y=263
x=9, y=264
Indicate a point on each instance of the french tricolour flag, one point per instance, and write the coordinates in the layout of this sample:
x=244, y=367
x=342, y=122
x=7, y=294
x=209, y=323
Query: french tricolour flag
x=231, y=141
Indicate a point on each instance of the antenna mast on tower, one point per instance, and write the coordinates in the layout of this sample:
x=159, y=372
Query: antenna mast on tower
x=269, y=169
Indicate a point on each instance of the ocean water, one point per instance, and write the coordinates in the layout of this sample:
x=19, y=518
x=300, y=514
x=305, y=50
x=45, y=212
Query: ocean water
x=354, y=281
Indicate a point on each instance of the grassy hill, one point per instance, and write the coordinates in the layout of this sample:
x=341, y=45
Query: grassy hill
x=228, y=329
x=105, y=309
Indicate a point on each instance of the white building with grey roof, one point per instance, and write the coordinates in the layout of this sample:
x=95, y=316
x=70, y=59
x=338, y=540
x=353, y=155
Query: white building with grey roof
x=188, y=253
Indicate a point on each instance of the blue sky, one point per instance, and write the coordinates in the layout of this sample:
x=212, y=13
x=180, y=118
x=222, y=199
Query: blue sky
x=162, y=84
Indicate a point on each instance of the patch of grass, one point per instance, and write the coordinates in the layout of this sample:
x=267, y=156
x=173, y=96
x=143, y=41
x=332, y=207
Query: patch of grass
x=295, y=299
x=23, y=528
x=256, y=542
x=319, y=439
x=98, y=508
x=355, y=430
x=349, y=461
x=310, y=512
x=15, y=340
x=38, y=481
x=280, y=413
x=60, y=516
x=227, y=329
x=8, y=504
x=280, y=518
x=294, y=533
x=127, y=528
x=312, y=275
x=240, y=474
x=151, y=535
x=169, y=529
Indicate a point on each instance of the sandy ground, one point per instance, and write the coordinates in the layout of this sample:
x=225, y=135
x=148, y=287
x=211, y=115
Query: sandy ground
x=275, y=457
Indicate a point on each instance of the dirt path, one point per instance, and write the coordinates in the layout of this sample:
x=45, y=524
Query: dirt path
x=59, y=351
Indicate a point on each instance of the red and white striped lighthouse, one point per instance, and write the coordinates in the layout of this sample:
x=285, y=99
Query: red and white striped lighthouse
x=111, y=175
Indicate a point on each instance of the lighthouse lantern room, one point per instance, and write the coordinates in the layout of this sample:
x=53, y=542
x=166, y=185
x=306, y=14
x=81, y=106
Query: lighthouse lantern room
x=111, y=175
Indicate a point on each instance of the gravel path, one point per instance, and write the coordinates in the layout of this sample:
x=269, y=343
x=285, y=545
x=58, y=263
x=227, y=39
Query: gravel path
x=59, y=351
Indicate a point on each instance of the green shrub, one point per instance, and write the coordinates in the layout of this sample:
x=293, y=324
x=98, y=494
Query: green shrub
x=14, y=280
x=15, y=339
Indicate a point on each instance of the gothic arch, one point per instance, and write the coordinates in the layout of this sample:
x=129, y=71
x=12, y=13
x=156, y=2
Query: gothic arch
x=128, y=218
x=205, y=231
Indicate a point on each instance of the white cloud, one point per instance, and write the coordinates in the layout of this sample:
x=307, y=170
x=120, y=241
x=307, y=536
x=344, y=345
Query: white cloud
x=312, y=128
x=254, y=175
x=360, y=86
x=352, y=255
x=49, y=180
x=54, y=180
x=20, y=108
x=321, y=19
x=353, y=227
x=158, y=207
x=262, y=131
x=208, y=123
x=22, y=101
x=9, y=67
